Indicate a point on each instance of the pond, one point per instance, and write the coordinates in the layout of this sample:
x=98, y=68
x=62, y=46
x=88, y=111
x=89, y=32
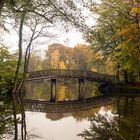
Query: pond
x=58, y=126
x=42, y=128
x=66, y=90
x=119, y=120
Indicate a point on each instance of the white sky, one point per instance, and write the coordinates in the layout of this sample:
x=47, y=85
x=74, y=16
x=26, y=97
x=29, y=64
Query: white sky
x=71, y=38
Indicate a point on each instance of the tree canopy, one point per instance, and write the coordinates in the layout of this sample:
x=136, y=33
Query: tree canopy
x=115, y=35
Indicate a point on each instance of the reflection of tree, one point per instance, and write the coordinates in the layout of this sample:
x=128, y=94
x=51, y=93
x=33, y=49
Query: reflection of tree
x=61, y=92
x=72, y=90
x=6, y=121
x=110, y=127
x=81, y=115
x=38, y=90
x=103, y=127
x=56, y=116
x=67, y=89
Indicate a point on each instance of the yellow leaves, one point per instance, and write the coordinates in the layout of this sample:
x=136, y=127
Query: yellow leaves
x=127, y=30
x=99, y=55
x=54, y=59
x=62, y=65
x=93, y=69
x=61, y=93
x=123, y=45
x=135, y=10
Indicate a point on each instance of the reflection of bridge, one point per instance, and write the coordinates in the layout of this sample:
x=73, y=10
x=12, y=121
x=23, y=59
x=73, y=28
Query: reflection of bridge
x=67, y=106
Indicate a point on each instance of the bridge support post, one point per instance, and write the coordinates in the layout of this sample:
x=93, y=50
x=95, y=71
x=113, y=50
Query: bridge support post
x=53, y=90
x=81, y=91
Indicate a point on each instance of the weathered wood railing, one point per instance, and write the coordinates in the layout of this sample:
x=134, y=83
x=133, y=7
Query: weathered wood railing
x=61, y=73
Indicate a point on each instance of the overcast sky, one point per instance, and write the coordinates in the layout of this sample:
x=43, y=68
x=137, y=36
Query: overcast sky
x=70, y=38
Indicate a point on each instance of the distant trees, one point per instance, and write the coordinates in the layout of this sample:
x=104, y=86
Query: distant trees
x=58, y=56
x=81, y=57
x=35, y=62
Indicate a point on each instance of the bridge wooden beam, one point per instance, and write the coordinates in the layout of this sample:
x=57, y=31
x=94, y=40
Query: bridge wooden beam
x=53, y=90
x=81, y=91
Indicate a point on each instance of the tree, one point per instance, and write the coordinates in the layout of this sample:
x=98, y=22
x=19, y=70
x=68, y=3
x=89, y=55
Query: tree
x=7, y=70
x=115, y=33
x=45, y=14
x=64, y=57
x=103, y=127
x=58, y=55
x=83, y=56
x=35, y=62
x=107, y=125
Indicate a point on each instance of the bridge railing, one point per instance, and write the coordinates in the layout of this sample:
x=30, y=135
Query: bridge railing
x=62, y=73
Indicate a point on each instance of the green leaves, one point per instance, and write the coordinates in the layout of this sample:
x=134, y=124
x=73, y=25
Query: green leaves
x=117, y=32
x=7, y=69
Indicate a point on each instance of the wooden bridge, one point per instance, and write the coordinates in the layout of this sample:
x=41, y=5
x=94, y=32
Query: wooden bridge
x=81, y=75
x=78, y=74
x=67, y=106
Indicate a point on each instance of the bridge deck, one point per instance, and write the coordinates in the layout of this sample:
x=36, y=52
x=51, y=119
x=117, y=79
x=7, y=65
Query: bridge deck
x=61, y=73
x=67, y=106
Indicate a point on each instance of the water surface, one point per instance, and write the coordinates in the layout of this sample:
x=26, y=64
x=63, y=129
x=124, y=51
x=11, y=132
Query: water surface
x=42, y=128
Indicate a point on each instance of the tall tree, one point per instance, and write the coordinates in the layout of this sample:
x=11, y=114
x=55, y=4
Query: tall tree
x=45, y=13
x=115, y=33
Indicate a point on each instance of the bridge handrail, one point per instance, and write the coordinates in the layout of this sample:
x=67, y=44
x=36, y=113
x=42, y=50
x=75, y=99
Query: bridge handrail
x=72, y=73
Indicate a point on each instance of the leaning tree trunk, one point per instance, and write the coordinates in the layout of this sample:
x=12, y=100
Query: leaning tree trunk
x=15, y=91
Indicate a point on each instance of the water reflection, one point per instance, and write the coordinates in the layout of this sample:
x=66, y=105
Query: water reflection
x=66, y=90
x=59, y=126
x=42, y=128
x=67, y=106
x=118, y=121
x=6, y=120
x=123, y=126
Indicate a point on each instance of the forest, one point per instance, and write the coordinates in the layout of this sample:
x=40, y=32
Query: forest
x=112, y=47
